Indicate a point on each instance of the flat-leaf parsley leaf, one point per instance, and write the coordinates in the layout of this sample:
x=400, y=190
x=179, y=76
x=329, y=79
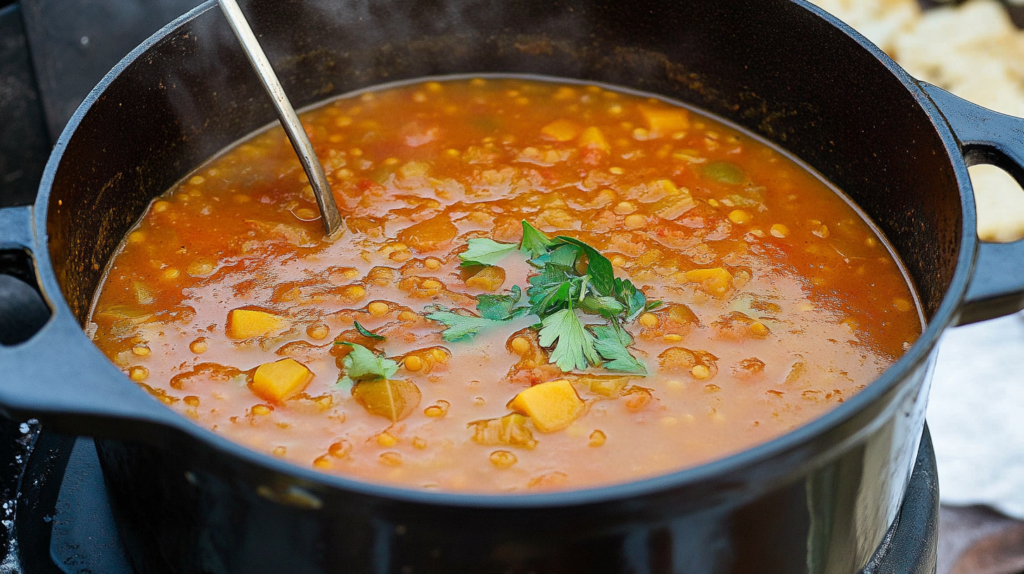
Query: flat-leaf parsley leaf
x=361, y=364
x=485, y=252
x=534, y=242
x=611, y=345
x=501, y=307
x=461, y=327
x=574, y=346
x=571, y=275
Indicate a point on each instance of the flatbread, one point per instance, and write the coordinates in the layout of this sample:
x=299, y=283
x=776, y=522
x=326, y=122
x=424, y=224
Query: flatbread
x=972, y=50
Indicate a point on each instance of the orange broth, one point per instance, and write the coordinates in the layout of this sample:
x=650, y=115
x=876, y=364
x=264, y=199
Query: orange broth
x=779, y=300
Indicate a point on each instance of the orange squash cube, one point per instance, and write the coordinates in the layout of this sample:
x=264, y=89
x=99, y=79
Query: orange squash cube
x=594, y=139
x=552, y=406
x=249, y=323
x=560, y=131
x=665, y=121
x=280, y=380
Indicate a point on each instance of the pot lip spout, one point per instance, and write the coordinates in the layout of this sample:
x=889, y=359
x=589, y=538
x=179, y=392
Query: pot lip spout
x=756, y=468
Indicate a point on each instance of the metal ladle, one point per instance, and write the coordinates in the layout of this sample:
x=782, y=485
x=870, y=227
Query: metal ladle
x=289, y=119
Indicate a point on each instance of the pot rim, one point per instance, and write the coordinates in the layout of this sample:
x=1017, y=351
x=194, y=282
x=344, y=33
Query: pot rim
x=889, y=380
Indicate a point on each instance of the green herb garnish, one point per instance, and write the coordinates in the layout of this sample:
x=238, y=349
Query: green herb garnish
x=501, y=307
x=485, y=252
x=599, y=269
x=612, y=343
x=461, y=326
x=534, y=242
x=572, y=276
x=493, y=309
x=363, y=365
x=367, y=333
x=574, y=345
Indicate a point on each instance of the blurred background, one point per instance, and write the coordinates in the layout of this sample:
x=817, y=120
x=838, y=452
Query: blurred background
x=52, y=52
x=974, y=49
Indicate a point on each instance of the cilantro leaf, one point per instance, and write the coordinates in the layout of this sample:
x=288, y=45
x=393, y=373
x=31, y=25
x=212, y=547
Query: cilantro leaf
x=633, y=298
x=565, y=256
x=604, y=306
x=618, y=358
x=550, y=298
x=612, y=332
x=611, y=344
x=501, y=307
x=366, y=333
x=461, y=327
x=362, y=365
x=534, y=242
x=602, y=274
x=485, y=252
x=553, y=293
x=542, y=287
x=575, y=345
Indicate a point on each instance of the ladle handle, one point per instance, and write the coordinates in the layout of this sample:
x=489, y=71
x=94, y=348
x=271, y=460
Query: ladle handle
x=996, y=287
x=289, y=119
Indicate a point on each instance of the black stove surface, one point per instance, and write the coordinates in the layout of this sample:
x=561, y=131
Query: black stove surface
x=63, y=522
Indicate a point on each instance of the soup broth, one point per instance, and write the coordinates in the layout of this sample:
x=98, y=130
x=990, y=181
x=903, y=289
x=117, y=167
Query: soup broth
x=416, y=349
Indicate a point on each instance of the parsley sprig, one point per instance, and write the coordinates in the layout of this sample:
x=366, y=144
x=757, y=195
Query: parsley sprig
x=485, y=252
x=361, y=364
x=572, y=278
x=493, y=309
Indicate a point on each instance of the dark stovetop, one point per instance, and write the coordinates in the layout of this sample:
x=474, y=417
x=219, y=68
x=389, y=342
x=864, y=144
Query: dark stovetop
x=63, y=522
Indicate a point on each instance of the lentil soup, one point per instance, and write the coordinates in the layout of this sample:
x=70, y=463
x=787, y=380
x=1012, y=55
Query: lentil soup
x=434, y=346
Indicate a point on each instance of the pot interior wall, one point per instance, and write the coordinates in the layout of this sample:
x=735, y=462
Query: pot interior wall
x=769, y=65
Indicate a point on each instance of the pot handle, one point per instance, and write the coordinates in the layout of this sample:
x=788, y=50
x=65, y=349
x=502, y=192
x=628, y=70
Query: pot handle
x=996, y=286
x=59, y=377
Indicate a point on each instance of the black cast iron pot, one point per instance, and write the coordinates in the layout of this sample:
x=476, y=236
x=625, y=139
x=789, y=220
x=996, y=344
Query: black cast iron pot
x=818, y=500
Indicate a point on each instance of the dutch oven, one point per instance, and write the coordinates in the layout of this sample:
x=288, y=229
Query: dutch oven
x=818, y=500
